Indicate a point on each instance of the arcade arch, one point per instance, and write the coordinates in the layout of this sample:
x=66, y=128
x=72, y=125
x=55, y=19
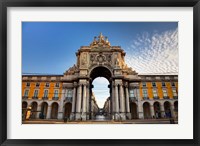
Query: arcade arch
x=34, y=106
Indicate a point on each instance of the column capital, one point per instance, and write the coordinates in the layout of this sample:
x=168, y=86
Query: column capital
x=126, y=84
x=79, y=84
x=75, y=84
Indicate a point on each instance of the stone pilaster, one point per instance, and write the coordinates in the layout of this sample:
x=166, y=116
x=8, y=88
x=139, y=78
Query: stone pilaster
x=38, y=113
x=48, y=112
x=60, y=109
x=152, y=111
x=172, y=111
x=162, y=110
x=140, y=105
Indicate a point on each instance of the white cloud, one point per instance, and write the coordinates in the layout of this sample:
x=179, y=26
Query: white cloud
x=157, y=53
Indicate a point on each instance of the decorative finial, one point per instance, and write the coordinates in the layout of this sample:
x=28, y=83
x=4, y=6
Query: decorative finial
x=100, y=37
x=106, y=39
x=101, y=41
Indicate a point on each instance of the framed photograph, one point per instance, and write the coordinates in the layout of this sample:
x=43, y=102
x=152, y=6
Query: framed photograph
x=99, y=72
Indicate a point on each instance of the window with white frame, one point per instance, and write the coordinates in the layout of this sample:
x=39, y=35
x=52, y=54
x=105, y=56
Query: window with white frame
x=36, y=93
x=144, y=91
x=174, y=92
x=28, y=84
x=144, y=84
x=46, y=93
x=57, y=85
x=132, y=93
x=37, y=84
x=47, y=84
x=173, y=84
x=26, y=93
x=165, y=92
x=55, y=93
x=69, y=93
x=153, y=84
x=163, y=84
x=155, y=93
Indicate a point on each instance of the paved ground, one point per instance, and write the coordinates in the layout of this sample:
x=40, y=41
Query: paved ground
x=101, y=120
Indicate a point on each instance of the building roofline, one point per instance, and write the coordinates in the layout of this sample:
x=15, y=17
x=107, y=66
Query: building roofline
x=23, y=75
x=157, y=74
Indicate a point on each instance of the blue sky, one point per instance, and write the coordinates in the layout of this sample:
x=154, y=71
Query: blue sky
x=49, y=47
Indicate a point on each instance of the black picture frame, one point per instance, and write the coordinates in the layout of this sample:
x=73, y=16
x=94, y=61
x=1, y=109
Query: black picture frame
x=4, y=4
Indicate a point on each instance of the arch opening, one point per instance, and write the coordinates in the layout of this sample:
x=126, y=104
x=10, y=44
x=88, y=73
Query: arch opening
x=167, y=109
x=157, y=111
x=133, y=110
x=54, y=110
x=100, y=72
x=44, y=108
x=34, y=106
x=100, y=102
x=67, y=110
x=146, y=109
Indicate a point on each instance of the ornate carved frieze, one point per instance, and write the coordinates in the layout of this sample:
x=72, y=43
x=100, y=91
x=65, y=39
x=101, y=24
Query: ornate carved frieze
x=100, y=59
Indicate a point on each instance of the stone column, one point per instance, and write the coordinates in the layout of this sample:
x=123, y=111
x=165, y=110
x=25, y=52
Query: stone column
x=122, y=103
x=88, y=101
x=60, y=109
x=72, y=115
x=162, y=110
x=152, y=111
x=48, y=112
x=91, y=102
x=109, y=106
x=116, y=103
x=113, y=102
x=128, y=114
x=38, y=113
x=84, y=103
x=78, y=103
x=92, y=109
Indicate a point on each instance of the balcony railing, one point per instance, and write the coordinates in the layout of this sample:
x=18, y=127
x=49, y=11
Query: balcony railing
x=55, y=98
x=24, y=97
x=133, y=99
x=165, y=97
x=45, y=98
x=34, y=97
x=145, y=98
x=175, y=97
x=68, y=99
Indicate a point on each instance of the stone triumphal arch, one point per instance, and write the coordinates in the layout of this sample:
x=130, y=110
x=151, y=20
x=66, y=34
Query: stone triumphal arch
x=69, y=95
x=100, y=59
